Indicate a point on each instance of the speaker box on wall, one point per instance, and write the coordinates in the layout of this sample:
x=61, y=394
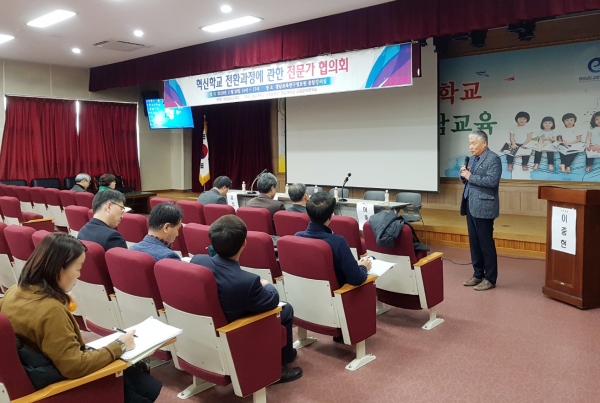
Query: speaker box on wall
x=149, y=95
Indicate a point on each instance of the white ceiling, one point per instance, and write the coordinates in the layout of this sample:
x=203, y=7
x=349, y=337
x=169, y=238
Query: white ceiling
x=167, y=24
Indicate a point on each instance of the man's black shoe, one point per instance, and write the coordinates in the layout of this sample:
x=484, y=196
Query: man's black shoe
x=289, y=374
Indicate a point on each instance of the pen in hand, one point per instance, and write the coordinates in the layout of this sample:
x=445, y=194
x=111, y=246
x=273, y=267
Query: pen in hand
x=122, y=331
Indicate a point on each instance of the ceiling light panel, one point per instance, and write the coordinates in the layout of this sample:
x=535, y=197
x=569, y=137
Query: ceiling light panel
x=225, y=8
x=235, y=23
x=52, y=18
x=6, y=38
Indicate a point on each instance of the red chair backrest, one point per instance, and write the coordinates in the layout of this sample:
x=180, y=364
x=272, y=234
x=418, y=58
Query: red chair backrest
x=213, y=211
x=77, y=216
x=259, y=253
x=348, y=228
x=67, y=198
x=11, y=191
x=189, y=288
x=133, y=227
x=23, y=193
x=12, y=374
x=257, y=219
x=403, y=245
x=288, y=223
x=157, y=200
x=20, y=241
x=94, y=270
x=2, y=189
x=38, y=236
x=307, y=258
x=11, y=207
x=37, y=195
x=84, y=199
x=193, y=212
x=4, y=249
x=133, y=273
x=196, y=238
x=90, y=214
x=52, y=197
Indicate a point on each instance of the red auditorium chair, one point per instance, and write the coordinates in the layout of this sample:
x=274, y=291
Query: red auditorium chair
x=84, y=199
x=348, y=228
x=320, y=305
x=193, y=212
x=20, y=244
x=157, y=200
x=24, y=196
x=256, y=219
x=55, y=207
x=77, y=217
x=67, y=198
x=133, y=227
x=213, y=211
x=259, y=258
x=11, y=191
x=197, y=240
x=11, y=209
x=3, y=189
x=415, y=282
x=8, y=277
x=38, y=236
x=245, y=353
x=104, y=385
x=288, y=223
x=39, y=201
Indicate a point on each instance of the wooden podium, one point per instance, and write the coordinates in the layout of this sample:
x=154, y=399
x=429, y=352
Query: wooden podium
x=574, y=279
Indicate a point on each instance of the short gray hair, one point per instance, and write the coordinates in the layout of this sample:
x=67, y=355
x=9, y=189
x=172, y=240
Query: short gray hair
x=480, y=134
x=83, y=177
x=265, y=182
x=297, y=191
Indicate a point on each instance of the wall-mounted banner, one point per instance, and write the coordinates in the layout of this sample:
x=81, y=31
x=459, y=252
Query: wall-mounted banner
x=389, y=66
x=540, y=108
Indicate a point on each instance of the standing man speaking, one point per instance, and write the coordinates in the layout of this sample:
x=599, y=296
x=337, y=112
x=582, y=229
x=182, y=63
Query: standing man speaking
x=481, y=176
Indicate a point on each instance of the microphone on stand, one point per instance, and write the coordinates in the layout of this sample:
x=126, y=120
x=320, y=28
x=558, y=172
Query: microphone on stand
x=250, y=192
x=344, y=184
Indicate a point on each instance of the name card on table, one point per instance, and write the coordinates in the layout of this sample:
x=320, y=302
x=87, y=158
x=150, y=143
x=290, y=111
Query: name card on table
x=232, y=200
x=363, y=212
x=563, y=229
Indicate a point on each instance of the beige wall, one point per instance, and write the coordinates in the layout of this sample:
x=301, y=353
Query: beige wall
x=165, y=155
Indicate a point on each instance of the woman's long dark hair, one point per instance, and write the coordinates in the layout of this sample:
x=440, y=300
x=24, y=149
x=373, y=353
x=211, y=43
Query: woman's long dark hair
x=55, y=253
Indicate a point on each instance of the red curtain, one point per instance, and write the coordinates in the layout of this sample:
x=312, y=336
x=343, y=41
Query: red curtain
x=40, y=139
x=383, y=24
x=108, y=140
x=239, y=141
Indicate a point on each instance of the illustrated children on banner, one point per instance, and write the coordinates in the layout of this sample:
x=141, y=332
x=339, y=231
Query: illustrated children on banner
x=570, y=143
x=592, y=142
x=520, y=137
x=545, y=143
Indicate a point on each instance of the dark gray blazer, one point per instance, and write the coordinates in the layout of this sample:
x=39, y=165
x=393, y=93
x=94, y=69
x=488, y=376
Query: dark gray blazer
x=266, y=202
x=211, y=197
x=297, y=208
x=483, y=189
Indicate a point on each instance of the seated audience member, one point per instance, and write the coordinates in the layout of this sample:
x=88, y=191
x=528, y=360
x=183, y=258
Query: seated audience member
x=267, y=187
x=49, y=340
x=164, y=224
x=82, y=182
x=107, y=181
x=299, y=196
x=242, y=293
x=320, y=208
x=217, y=194
x=108, y=207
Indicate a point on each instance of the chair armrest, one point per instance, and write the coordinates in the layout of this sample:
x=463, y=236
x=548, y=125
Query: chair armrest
x=429, y=258
x=38, y=220
x=161, y=311
x=59, y=387
x=347, y=287
x=236, y=324
x=278, y=279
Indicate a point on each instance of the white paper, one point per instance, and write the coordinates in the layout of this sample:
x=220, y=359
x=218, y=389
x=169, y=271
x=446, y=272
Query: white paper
x=363, y=212
x=232, y=200
x=379, y=267
x=151, y=334
x=186, y=259
x=522, y=152
x=563, y=229
x=592, y=154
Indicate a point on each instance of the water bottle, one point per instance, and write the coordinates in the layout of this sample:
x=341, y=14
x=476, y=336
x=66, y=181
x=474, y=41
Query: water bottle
x=243, y=186
x=287, y=188
x=387, y=196
x=335, y=193
x=316, y=189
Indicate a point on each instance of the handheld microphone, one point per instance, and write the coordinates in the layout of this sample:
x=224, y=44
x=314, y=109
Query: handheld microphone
x=250, y=192
x=467, y=161
x=344, y=184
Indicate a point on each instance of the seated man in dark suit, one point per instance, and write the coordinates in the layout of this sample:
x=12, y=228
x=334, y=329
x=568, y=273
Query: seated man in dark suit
x=217, y=194
x=267, y=187
x=108, y=207
x=242, y=293
x=320, y=208
x=164, y=225
x=298, y=195
x=82, y=182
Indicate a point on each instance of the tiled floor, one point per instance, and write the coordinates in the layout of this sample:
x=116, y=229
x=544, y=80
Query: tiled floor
x=509, y=344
